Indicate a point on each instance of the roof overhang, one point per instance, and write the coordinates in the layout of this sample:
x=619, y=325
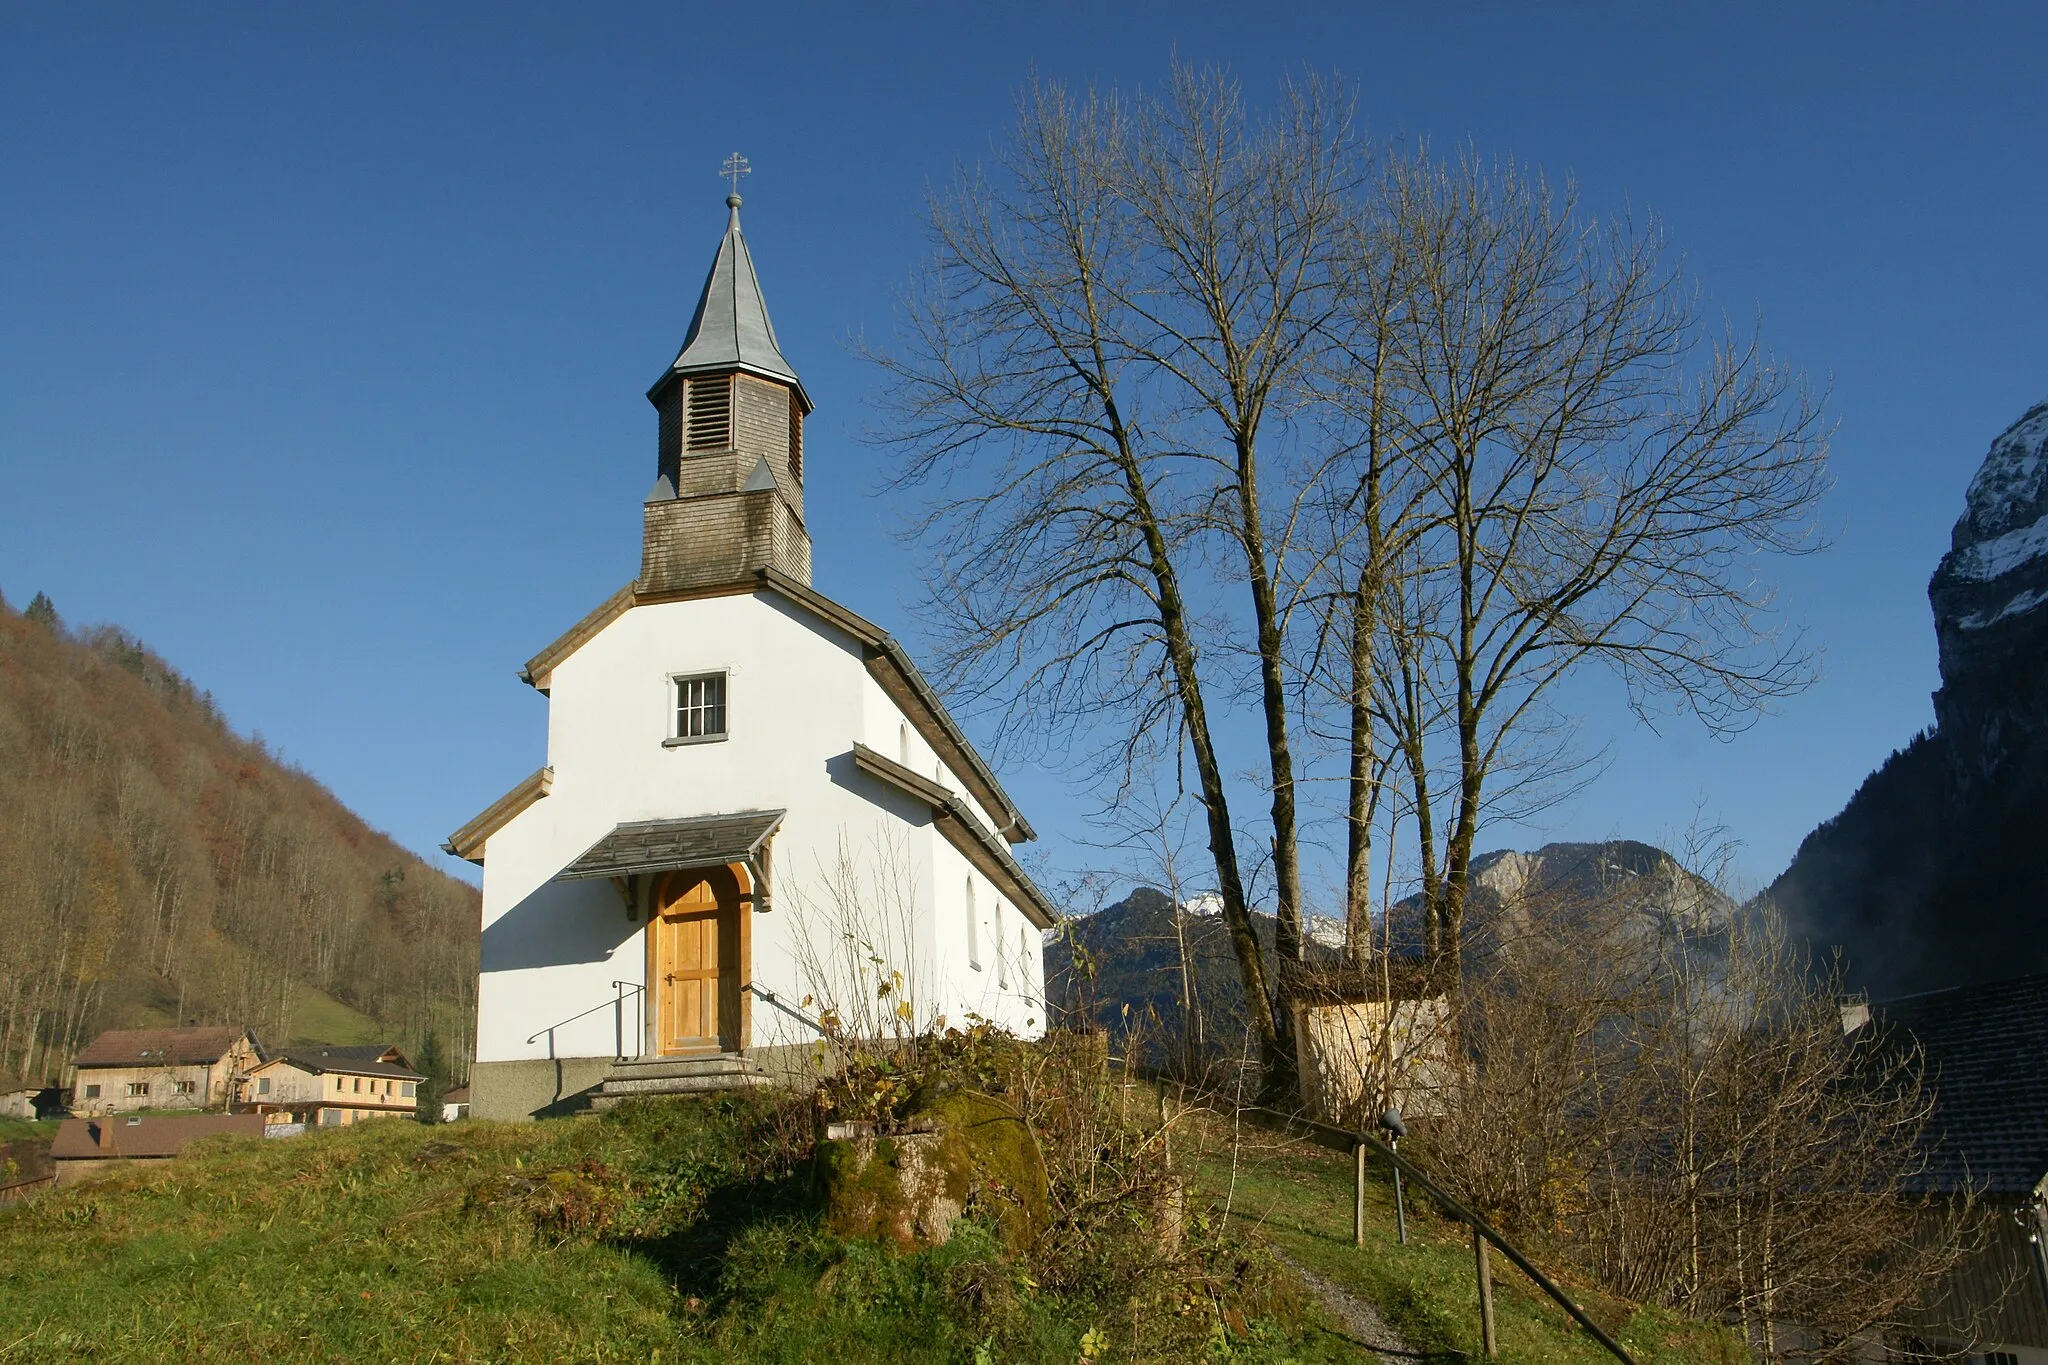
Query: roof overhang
x=956, y=821
x=680, y=370
x=468, y=842
x=679, y=844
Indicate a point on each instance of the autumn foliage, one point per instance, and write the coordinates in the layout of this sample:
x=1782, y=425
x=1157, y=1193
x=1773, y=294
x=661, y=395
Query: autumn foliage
x=157, y=868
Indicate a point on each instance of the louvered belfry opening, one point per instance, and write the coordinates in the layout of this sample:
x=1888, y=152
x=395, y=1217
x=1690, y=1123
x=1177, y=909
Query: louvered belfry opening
x=796, y=441
x=710, y=413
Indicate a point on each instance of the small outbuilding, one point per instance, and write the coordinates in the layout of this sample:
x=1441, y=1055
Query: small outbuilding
x=89, y=1146
x=21, y=1100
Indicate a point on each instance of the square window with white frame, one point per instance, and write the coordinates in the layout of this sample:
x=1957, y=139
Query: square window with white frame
x=698, y=710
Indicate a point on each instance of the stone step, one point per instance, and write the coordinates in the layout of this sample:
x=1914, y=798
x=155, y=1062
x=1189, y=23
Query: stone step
x=682, y=1085
x=722, y=1065
x=679, y=1087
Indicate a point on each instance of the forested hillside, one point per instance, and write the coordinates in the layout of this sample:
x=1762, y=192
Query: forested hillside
x=157, y=868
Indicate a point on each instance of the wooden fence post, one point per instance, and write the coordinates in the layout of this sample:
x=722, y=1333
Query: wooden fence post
x=1485, y=1294
x=1358, y=1195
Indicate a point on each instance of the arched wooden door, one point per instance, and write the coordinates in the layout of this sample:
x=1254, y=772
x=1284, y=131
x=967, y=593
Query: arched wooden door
x=694, y=962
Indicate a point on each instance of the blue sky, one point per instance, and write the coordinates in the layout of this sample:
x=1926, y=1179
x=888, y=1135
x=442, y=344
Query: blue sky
x=323, y=331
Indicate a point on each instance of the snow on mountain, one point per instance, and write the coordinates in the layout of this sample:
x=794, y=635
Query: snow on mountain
x=1326, y=931
x=2004, y=525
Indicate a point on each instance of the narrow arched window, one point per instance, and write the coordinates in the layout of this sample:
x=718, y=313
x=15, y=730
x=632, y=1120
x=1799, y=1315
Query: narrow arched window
x=903, y=742
x=973, y=929
x=1002, y=958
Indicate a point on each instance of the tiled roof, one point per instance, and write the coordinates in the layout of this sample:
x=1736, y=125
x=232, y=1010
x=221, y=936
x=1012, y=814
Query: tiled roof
x=1986, y=1049
x=144, y=1135
x=161, y=1046
x=693, y=841
x=354, y=1061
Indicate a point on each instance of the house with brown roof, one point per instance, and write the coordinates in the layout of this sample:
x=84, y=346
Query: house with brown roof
x=85, y=1147
x=328, y=1085
x=124, y=1070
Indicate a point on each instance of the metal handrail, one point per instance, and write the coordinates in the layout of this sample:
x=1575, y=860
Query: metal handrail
x=618, y=1006
x=763, y=993
x=1345, y=1139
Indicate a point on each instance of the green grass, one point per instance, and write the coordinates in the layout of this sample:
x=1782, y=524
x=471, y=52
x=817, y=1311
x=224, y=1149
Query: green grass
x=1300, y=1198
x=319, y=1018
x=652, y=1233
x=16, y=1130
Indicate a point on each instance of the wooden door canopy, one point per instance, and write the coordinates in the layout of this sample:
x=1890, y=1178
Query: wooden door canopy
x=688, y=843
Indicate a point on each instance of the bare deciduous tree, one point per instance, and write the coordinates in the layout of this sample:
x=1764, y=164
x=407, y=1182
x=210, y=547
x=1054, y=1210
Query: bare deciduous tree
x=1560, y=463
x=1211, y=417
x=1103, y=343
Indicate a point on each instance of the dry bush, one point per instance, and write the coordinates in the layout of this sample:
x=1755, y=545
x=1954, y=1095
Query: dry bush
x=1682, y=1113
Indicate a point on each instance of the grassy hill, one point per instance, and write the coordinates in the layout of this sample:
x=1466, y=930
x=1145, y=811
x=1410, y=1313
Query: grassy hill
x=157, y=868
x=686, y=1232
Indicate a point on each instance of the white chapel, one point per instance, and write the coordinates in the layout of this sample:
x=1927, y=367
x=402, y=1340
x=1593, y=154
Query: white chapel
x=754, y=808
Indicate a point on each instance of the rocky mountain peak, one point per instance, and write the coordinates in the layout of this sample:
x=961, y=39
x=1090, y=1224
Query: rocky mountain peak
x=2009, y=495
x=1990, y=600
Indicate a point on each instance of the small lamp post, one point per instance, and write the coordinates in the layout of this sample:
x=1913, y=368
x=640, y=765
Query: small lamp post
x=1396, y=1130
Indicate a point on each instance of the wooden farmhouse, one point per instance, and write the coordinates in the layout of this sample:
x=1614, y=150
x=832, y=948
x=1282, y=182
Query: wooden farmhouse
x=753, y=807
x=124, y=1070
x=329, y=1086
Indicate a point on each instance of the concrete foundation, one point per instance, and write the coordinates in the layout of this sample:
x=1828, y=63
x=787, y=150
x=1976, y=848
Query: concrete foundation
x=534, y=1089
x=547, y=1087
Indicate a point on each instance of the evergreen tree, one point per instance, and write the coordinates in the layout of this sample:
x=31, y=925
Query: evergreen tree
x=434, y=1066
x=42, y=611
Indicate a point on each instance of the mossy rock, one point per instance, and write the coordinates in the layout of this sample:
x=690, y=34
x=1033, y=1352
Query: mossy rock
x=906, y=1190
x=1007, y=1166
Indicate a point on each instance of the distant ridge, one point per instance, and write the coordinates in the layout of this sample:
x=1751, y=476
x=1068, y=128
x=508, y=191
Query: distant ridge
x=1122, y=966
x=158, y=869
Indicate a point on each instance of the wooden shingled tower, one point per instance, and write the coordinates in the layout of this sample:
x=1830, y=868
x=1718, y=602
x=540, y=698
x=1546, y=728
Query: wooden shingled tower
x=729, y=496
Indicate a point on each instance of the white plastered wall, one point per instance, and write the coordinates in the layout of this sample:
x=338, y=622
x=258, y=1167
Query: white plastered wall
x=798, y=696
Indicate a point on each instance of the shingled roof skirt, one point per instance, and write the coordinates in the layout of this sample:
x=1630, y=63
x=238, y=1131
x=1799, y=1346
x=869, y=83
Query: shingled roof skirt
x=731, y=329
x=956, y=821
x=888, y=663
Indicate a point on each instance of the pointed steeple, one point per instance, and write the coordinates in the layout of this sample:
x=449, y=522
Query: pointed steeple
x=731, y=330
x=728, y=496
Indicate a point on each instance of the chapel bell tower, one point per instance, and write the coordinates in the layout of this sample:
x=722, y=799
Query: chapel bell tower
x=729, y=496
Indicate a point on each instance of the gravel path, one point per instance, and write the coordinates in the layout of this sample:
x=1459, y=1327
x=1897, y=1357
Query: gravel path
x=1359, y=1320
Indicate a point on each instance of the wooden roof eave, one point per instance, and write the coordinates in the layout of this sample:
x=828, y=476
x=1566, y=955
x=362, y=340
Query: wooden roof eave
x=575, y=637
x=966, y=833
x=890, y=665
x=468, y=842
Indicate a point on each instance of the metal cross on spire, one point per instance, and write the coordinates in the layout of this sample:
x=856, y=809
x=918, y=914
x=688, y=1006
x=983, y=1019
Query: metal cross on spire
x=735, y=166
